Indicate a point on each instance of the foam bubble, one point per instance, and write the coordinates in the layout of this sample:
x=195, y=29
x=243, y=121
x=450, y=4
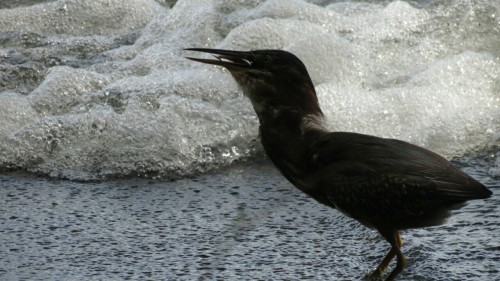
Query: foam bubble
x=78, y=17
x=62, y=89
x=450, y=107
x=330, y=59
x=15, y=112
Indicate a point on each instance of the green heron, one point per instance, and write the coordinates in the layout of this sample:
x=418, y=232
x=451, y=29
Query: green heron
x=386, y=184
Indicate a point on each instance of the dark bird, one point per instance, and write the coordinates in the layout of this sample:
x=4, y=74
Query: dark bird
x=385, y=184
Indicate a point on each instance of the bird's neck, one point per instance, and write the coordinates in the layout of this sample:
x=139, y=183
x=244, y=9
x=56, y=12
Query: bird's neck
x=287, y=136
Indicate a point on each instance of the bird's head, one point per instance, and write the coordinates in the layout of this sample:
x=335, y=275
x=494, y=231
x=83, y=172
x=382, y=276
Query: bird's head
x=271, y=79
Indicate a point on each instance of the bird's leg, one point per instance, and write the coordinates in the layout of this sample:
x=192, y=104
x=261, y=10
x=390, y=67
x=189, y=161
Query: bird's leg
x=396, y=243
x=383, y=265
x=387, y=259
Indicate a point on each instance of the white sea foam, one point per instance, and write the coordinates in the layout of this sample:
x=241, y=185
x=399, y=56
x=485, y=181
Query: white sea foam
x=98, y=89
x=79, y=18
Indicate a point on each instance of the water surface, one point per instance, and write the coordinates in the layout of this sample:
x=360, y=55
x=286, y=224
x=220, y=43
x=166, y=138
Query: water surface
x=243, y=223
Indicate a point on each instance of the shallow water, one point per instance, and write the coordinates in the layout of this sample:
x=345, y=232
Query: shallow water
x=242, y=223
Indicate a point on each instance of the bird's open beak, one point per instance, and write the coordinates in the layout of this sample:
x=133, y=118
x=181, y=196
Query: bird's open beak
x=226, y=58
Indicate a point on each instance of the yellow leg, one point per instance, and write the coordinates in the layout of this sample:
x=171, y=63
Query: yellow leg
x=387, y=259
x=374, y=275
x=396, y=246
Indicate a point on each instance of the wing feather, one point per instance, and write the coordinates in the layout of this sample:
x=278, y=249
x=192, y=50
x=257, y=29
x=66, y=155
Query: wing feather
x=352, y=158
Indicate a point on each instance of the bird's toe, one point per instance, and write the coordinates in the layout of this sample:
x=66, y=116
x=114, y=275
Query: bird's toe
x=375, y=275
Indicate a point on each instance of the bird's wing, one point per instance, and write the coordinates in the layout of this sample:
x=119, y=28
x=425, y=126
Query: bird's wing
x=376, y=180
x=368, y=160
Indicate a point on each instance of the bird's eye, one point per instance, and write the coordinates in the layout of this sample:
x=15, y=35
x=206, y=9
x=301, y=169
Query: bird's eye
x=268, y=59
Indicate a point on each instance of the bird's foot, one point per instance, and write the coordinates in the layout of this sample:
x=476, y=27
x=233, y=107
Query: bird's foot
x=374, y=275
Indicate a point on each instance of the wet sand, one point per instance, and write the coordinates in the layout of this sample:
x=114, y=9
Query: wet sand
x=242, y=223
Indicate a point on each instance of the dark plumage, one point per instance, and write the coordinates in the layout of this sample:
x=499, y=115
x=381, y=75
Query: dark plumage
x=385, y=184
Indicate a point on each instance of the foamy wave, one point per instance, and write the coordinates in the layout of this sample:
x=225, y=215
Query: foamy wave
x=99, y=89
